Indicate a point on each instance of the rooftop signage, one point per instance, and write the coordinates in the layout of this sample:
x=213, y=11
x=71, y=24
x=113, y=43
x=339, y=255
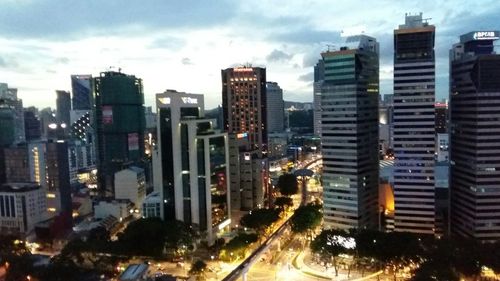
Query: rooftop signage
x=485, y=35
x=188, y=100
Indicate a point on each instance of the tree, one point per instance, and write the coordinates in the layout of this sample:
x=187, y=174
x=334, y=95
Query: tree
x=329, y=244
x=287, y=184
x=238, y=245
x=144, y=237
x=394, y=249
x=260, y=219
x=198, y=269
x=306, y=218
x=283, y=202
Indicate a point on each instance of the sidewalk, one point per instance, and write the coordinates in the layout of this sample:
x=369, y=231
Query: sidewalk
x=303, y=262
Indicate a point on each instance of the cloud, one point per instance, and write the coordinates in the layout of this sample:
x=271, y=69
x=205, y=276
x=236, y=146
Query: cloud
x=186, y=61
x=305, y=36
x=3, y=63
x=167, y=42
x=278, y=56
x=62, y=60
x=308, y=77
x=59, y=20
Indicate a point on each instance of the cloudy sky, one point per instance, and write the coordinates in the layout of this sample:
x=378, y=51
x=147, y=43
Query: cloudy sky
x=183, y=45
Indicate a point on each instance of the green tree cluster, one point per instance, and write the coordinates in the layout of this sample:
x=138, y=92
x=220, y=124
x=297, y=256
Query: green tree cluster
x=260, y=219
x=306, y=218
x=287, y=184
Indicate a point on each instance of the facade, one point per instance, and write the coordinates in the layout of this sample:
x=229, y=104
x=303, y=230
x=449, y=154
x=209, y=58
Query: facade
x=130, y=184
x=11, y=116
x=442, y=147
x=32, y=126
x=275, y=108
x=414, y=126
x=47, y=117
x=118, y=209
x=152, y=205
x=58, y=186
x=7, y=126
x=119, y=125
x=441, y=117
x=245, y=120
x=194, y=175
x=63, y=104
x=474, y=136
x=349, y=134
x=319, y=77
x=81, y=158
x=81, y=86
x=22, y=206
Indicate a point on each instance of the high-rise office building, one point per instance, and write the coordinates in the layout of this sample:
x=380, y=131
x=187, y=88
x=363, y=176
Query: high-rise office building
x=244, y=110
x=58, y=181
x=191, y=164
x=475, y=136
x=414, y=126
x=275, y=108
x=81, y=86
x=7, y=126
x=12, y=112
x=63, y=104
x=32, y=126
x=349, y=127
x=119, y=125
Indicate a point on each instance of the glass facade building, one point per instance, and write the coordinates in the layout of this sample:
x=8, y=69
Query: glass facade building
x=81, y=86
x=119, y=124
x=349, y=134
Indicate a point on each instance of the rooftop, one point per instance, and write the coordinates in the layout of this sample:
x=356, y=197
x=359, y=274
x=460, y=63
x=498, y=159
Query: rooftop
x=134, y=272
x=19, y=187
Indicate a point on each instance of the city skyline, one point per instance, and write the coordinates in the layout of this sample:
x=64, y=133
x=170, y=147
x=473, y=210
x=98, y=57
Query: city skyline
x=169, y=44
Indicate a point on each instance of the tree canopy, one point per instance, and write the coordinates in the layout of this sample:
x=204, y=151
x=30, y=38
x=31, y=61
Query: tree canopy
x=306, y=218
x=287, y=184
x=260, y=219
x=283, y=202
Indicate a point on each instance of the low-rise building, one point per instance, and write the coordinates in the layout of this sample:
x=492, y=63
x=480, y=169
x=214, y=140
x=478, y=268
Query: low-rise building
x=130, y=184
x=22, y=205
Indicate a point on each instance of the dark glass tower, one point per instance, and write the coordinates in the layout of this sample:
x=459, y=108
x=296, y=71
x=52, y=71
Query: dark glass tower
x=120, y=125
x=475, y=136
x=349, y=134
x=81, y=86
x=63, y=104
x=414, y=126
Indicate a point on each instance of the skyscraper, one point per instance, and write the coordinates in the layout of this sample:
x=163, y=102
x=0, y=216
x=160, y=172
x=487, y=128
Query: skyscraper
x=275, y=108
x=120, y=125
x=11, y=106
x=349, y=126
x=414, y=126
x=192, y=159
x=475, y=136
x=32, y=125
x=81, y=86
x=245, y=119
x=63, y=104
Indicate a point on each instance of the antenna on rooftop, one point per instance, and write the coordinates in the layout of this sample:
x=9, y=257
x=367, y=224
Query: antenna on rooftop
x=330, y=47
